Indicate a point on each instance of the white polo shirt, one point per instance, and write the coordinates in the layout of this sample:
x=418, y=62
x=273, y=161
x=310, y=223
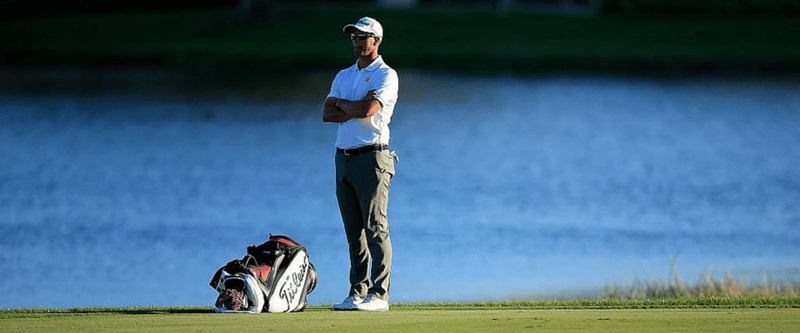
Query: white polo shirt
x=353, y=84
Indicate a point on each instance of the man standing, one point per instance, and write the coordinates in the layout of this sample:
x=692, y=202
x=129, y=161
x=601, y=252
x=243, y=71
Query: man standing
x=362, y=100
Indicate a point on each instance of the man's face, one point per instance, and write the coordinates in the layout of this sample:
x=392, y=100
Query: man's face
x=364, y=44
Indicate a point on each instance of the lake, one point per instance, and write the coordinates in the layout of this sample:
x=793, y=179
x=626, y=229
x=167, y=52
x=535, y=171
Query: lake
x=131, y=188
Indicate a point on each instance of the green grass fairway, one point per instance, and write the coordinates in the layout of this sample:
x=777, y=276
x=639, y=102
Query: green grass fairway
x=406, y=318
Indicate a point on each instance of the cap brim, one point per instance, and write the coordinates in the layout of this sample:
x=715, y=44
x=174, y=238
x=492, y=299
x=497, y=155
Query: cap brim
x=350, y=28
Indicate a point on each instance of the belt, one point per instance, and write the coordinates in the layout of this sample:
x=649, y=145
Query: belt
x=362, y=150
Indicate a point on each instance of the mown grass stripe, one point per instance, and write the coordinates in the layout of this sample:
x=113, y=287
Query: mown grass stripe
x=604, y=304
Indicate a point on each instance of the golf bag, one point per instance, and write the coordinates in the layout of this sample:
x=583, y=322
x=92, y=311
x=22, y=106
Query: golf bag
x=273, y=277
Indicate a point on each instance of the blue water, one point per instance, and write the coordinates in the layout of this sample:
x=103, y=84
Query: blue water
x=507, y=187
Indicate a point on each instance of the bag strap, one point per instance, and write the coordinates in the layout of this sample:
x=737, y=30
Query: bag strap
x=233, y=266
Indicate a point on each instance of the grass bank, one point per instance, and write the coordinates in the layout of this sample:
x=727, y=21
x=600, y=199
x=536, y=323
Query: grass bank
x=775, y=310
x=707, y=286
x=480, y=317
x=463, y=40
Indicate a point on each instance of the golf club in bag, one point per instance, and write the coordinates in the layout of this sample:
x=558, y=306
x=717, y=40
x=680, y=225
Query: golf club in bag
x=276, y=276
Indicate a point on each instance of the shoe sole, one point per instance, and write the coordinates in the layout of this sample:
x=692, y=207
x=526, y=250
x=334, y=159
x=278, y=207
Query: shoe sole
x=354, y=308
x=376, y=310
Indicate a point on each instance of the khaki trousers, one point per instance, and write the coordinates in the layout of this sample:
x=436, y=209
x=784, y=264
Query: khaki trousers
x=362, y=190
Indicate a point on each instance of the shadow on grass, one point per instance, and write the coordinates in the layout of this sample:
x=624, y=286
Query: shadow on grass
x=43, y=312
x=147, y=311
x=167, y=311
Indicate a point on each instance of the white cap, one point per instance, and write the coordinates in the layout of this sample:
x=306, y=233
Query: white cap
x=365, y=24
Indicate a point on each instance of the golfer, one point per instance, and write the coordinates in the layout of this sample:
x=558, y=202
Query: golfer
x=361, y=101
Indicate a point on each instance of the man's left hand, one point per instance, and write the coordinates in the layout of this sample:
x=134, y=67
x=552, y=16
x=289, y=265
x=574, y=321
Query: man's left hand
x=372, y=94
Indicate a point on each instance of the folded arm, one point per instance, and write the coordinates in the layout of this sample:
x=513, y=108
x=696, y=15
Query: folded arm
x=336, y=110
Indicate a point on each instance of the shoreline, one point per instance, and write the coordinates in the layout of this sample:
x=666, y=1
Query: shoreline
x=629, y=66
x=180, y=82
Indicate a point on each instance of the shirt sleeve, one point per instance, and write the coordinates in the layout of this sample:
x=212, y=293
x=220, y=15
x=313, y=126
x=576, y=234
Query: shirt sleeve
x=387, y=91
x=335, y=86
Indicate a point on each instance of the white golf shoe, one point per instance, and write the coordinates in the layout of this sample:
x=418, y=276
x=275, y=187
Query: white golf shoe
x=349, y=303
x=373, y=303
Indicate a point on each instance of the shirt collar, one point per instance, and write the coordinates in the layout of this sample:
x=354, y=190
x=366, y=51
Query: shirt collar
x=373, y=66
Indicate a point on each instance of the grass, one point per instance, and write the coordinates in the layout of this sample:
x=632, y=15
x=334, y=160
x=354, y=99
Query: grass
x=707, y=293
x=707, y=287
x=463, y=40
x=658, y=307
x=708, y=306
x=727, y=287
x=435, y=318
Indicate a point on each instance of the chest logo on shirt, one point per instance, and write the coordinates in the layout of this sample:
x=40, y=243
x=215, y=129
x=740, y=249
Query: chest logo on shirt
x=367, y=79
